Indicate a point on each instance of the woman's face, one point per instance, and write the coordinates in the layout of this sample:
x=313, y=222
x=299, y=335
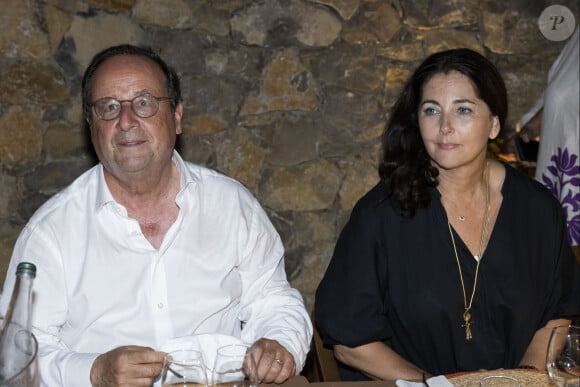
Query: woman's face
x=455, y=124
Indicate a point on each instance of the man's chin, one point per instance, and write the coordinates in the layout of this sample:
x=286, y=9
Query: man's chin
x=133, y=165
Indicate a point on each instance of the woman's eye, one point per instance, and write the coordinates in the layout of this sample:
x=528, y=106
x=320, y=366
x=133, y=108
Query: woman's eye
x=464, y=110
x=429, y=111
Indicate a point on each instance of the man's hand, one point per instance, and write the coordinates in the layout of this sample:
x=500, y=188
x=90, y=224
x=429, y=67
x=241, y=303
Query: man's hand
x=274, y=363
x=533, y=127
x=127, y=366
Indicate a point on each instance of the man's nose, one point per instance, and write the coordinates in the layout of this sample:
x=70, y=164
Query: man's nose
x=127, y=117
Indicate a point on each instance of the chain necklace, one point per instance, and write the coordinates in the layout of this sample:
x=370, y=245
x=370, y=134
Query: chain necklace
x=466, y=306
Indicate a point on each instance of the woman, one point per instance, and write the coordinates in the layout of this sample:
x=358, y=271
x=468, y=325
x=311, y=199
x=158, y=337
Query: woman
x=454, y=261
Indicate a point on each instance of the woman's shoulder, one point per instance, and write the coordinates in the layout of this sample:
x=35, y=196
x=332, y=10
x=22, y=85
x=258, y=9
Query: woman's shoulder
x=519, y=182
x=520, y=188
x=373, y=208
x=375, y=198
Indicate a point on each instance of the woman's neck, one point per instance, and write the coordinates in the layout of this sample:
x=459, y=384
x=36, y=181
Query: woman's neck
x=464, y=184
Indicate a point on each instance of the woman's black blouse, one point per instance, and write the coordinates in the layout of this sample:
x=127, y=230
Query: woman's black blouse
x=396, y=281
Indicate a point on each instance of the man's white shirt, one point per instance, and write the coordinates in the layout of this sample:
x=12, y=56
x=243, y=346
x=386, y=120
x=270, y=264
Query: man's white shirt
x=100, y=284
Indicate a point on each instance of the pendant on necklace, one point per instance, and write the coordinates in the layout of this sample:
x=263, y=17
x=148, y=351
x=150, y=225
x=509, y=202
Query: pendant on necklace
x=467, y=325
x=461, y=218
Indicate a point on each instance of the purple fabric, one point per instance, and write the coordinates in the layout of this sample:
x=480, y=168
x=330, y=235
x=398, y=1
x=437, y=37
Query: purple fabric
x=562, y=177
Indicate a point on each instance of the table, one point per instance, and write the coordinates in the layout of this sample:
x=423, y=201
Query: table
x=528, y=378
x=382, y=383
x=301, y=381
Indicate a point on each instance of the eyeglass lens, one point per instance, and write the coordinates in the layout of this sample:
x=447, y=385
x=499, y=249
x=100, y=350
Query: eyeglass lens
x=144, y=105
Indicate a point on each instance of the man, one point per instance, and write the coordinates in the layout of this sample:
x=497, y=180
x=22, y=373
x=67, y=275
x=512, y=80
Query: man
x=145, y=247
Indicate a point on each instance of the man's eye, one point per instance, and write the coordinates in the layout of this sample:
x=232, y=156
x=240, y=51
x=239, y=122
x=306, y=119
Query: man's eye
x=110, y=106
x=143, y=101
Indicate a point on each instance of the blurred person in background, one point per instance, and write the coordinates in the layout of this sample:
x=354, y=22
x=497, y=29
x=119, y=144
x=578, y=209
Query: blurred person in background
x=555, y=119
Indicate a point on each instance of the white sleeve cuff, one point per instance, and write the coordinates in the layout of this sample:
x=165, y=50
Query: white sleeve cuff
x=77, y=371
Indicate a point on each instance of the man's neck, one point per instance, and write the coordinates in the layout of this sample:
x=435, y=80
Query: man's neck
x=150, y=200
x=145, y=189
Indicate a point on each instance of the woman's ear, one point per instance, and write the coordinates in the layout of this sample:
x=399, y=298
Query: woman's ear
x=495, y=128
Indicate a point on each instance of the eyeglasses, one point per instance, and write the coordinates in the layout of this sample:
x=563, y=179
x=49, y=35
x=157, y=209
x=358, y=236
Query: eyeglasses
x=144, y=105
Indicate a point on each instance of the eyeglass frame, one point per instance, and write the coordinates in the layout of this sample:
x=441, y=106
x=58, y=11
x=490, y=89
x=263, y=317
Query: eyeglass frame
x=131, y=101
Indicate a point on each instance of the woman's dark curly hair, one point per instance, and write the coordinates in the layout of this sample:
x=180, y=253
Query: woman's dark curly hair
x=171, y=79
x=405, y=165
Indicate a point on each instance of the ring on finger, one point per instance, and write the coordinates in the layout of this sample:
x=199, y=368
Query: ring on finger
x=279, y=361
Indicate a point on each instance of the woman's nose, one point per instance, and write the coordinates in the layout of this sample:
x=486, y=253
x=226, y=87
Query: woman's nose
x=446, y=125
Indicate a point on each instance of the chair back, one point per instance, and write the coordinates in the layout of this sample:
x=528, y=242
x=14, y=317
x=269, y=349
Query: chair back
x=325, y=368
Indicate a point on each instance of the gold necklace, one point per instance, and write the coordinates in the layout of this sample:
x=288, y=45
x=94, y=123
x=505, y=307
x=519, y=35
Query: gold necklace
x=467, y=307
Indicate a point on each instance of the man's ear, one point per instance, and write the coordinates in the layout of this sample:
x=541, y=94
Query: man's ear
x=177, y=116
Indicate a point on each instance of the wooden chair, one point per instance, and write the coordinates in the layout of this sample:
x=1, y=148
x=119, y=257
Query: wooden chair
x=325, y=368
x=576, y=250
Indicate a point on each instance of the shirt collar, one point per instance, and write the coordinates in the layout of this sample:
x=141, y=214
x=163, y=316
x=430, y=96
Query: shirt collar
x=184, y=177
x=104, y=195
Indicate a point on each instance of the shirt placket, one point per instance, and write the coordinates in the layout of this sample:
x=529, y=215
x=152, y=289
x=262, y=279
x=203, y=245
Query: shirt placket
x=159, y=301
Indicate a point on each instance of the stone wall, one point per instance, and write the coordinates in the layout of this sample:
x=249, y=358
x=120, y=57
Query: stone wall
x=287, y=96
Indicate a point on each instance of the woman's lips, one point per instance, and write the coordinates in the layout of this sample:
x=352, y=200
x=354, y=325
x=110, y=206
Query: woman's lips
x=447, y=146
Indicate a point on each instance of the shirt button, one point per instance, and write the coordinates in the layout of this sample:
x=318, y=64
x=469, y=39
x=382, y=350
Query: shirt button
x=160, y=305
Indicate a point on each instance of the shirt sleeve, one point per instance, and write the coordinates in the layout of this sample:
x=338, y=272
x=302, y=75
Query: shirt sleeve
x=58, y=366
x=354, y=285
x=270, y=307
x=532, y=112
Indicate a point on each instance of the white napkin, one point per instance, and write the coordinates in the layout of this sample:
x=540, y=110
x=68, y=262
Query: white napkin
x=207, y=344
x=435, y=381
